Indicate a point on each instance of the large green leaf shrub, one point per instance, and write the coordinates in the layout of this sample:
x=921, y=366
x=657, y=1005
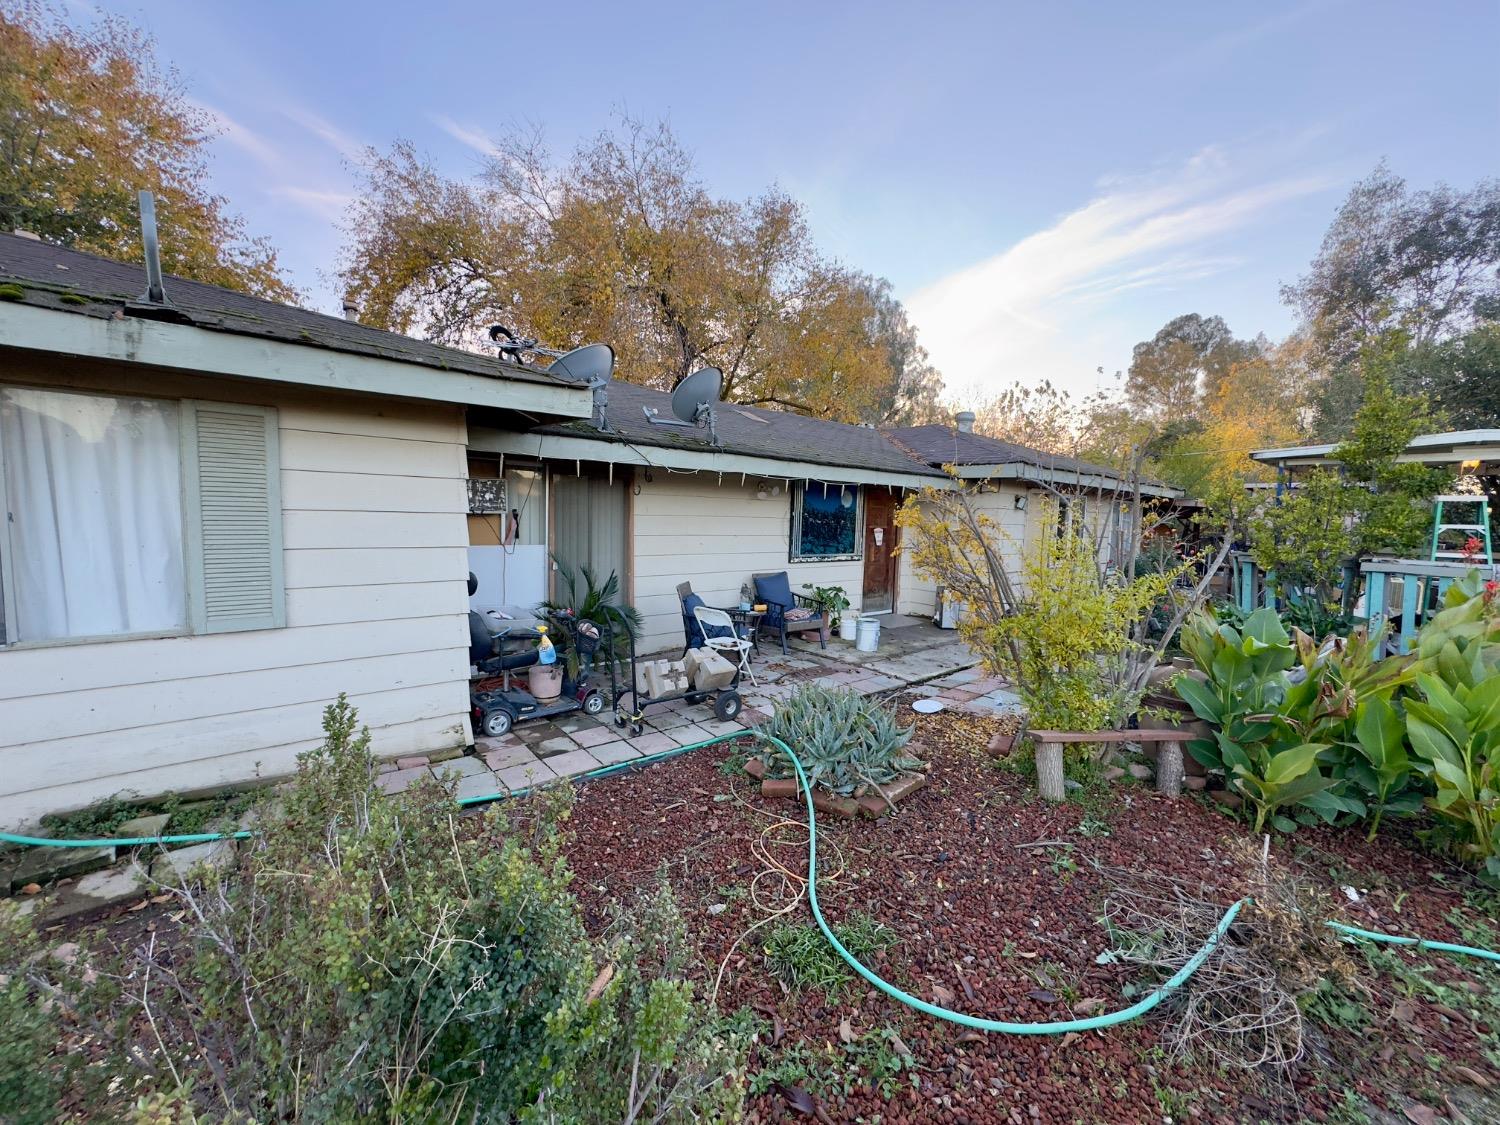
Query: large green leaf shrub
x=1453, y=722
x=1305, y=731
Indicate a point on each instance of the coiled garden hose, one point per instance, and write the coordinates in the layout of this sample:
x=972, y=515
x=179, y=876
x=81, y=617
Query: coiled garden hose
x=1048, y=1027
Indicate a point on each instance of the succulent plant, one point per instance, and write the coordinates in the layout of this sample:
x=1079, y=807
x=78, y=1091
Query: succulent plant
x=843, y=740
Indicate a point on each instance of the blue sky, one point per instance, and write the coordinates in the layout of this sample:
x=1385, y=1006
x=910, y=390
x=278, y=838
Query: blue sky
x=1044, y=184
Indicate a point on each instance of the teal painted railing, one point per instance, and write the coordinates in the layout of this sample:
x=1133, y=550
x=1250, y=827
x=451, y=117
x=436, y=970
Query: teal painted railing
x=1404, y=592
x=1407, y=591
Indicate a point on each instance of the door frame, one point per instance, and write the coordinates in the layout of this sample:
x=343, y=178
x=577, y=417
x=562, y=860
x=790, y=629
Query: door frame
x=893, y=560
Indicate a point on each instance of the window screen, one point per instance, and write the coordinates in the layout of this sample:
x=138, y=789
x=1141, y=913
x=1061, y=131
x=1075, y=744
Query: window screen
x=826, y=521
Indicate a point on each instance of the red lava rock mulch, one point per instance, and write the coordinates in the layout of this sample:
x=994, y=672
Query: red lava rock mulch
x=992, y=921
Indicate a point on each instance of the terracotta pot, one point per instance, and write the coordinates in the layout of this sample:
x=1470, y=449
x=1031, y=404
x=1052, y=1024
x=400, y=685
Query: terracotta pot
x=545, y=680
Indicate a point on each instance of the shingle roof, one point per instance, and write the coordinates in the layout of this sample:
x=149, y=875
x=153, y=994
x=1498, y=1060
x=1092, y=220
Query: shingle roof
x=58, y=278
x=944, y=445
x=749, y=431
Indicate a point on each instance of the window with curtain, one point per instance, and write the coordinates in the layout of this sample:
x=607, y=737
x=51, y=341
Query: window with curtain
x=127, y=516
x=826, y=522
x=93, y=486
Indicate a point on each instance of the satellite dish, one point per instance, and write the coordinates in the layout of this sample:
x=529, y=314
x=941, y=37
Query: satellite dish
x=693, y=402
x=592, y=364
x=698, y=392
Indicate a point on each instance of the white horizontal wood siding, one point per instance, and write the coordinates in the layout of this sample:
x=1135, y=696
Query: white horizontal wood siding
x=1011, y=528
x=692, y=528
x=373, y=517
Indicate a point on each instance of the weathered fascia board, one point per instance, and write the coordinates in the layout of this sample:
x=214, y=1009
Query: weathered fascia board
x=185, y=347
x=1035, y=474
x=560, y=448
x=1424, y=449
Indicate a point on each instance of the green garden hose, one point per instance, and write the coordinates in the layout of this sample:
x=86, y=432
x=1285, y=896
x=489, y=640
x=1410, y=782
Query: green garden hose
x=1050, y=1027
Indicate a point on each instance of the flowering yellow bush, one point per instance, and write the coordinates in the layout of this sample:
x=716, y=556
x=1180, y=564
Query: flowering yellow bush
x=1068, y=635
x=1067, y=632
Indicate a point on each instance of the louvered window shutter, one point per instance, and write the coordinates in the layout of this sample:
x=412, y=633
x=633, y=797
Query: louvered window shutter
x=232, y=481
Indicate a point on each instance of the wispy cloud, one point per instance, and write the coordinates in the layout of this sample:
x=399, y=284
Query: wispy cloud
x=465, y=134
x=348, y=146
x=1049, y=306
x=329, y=204
x=241, y=136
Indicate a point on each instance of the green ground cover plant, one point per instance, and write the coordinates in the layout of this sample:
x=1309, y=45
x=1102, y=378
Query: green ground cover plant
x=367, y=960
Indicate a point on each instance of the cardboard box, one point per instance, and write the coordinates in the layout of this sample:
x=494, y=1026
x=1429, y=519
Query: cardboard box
x=711, y=670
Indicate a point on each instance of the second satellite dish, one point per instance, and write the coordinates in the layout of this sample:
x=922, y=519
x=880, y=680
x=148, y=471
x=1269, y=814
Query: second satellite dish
x=699, y=391
x=592, y=364
x=693, y=402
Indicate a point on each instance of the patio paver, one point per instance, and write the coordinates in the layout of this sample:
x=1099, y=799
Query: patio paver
x=464, y=767
x=524, y=777
x=558, y=744
x=573, y=762
x=611, y=752
x=518, y=755
x=475, y=785
x=652, y=742
x=398, y=780
x=596, y=736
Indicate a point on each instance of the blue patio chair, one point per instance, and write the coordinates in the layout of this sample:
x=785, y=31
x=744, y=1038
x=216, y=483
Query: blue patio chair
x=775, y=590
x=693, y=631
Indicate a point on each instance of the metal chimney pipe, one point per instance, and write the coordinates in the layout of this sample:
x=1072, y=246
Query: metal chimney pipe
x=154, y=293
x=351, y=310
x=964, y=420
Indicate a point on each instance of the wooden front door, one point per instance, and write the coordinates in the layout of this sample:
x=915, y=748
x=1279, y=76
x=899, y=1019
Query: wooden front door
x=880, y=557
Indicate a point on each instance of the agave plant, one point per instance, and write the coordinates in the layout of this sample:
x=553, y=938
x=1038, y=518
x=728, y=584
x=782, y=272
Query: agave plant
x=843, y=740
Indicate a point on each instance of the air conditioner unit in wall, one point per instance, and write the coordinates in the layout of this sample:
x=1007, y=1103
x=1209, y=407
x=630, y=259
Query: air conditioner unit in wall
x=487, y=496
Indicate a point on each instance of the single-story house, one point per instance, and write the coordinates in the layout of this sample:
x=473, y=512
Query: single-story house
x=660, y=504
x=222, y=512
x=1013, y=482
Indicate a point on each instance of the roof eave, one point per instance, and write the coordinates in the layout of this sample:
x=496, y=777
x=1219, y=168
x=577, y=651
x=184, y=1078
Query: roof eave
x=186, y=347
x=564, y=448
x=1074, y=478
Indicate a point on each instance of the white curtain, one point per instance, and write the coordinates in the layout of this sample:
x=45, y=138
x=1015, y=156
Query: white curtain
x=93, y=487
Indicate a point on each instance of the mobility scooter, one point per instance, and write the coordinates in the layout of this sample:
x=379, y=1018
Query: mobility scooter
x=498, y=707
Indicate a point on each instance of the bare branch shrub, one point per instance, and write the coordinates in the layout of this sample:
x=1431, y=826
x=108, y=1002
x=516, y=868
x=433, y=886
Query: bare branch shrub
x=1245, y=1005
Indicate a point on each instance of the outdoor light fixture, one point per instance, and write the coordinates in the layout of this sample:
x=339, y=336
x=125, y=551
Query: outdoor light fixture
x=1021, y=502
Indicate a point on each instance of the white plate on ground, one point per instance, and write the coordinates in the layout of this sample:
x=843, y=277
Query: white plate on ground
x=928, y=706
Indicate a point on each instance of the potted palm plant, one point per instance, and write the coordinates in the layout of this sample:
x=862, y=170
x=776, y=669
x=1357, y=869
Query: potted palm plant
x=581, y=591
x=830, y=603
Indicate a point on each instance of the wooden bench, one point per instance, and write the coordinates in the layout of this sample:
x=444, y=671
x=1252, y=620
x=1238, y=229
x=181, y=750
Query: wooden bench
x=1049, y=756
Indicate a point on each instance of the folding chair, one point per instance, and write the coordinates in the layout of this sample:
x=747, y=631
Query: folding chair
x=720, y=635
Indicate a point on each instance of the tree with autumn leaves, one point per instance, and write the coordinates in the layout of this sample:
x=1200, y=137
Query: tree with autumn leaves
x=621, y=242
x=87, y=119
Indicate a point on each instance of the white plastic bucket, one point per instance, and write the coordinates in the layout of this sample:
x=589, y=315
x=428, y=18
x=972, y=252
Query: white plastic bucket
x=869, y=634
x=849, y=627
